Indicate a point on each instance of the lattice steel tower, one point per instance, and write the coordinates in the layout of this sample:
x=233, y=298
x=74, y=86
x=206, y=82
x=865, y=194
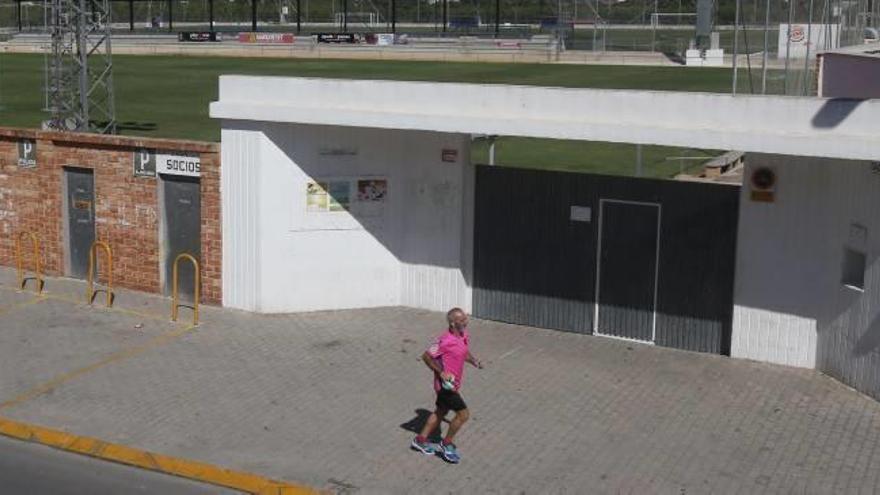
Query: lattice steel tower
x=79, y=75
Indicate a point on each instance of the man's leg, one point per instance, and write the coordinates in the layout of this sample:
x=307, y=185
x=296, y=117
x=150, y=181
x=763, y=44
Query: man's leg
x=448, y=449
x=433, y=422
x=458, y=421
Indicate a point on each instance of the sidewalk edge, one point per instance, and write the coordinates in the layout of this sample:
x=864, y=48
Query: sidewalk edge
x=183, y=468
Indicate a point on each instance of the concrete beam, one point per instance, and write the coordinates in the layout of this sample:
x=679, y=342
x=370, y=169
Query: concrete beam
x=767, y=124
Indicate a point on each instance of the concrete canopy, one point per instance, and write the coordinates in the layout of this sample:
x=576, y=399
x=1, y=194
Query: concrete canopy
x=835, y=128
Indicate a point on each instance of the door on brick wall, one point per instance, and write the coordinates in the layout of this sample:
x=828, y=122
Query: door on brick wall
x=80, y=219
x=181, y=229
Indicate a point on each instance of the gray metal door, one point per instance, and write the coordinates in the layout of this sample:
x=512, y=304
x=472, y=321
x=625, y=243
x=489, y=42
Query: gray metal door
x=80, y=218
x=627, y=268
x=182, y=233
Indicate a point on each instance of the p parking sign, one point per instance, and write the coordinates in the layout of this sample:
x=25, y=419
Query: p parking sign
x=27, y=153
x=144, y=163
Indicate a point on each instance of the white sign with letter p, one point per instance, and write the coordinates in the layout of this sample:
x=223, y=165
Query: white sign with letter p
x=27, y=153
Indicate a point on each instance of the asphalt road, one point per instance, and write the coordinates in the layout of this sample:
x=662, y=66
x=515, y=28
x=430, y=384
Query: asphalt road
x=27, y=468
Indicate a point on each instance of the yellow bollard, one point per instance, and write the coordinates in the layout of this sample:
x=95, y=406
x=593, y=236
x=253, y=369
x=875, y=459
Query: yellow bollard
x=90, y=292
x=19, y=261
x=174, y=293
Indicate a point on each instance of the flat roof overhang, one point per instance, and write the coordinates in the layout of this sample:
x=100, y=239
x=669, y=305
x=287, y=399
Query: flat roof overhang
x=811, y=126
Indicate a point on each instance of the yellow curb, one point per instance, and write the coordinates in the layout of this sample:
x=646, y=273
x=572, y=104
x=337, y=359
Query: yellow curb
x=184, y=468
x=118, y=356
x=22, y=304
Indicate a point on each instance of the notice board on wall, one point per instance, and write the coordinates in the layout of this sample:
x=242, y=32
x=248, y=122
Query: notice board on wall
x=341, y=203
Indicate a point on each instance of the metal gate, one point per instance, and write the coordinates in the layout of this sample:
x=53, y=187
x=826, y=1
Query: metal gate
x=182, y=220
x=80, y=219
x=640, y=259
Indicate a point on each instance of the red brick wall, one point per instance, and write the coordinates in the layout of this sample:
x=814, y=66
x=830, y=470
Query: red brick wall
x=127, y=211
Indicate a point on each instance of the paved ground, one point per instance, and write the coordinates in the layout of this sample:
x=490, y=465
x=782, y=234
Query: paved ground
x=27, y=468
x=330, y=399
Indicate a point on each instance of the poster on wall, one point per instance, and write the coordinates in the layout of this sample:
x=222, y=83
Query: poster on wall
x=372, y=194
x=316, y=197
x=335, y=195
x=341, y=203
x=372, y=190
x=340, y=196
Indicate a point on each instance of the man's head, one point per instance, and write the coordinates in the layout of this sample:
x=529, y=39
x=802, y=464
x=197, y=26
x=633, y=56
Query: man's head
x=457, y=319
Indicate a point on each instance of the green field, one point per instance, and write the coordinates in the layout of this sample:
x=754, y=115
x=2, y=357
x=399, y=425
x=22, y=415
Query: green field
x=592, y=157
x=169, y=97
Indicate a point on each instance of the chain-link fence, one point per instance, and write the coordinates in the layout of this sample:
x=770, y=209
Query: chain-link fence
x=778, y=46
x=585, y=24
x=775, y=40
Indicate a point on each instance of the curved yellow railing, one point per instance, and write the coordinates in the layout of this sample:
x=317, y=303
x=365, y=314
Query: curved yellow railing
x=90, y=292
x=175, y=300
x=19, y=261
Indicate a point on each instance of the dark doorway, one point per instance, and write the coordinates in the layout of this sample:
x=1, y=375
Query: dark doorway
x=80, y=218
x=182, y=230
x=627, y=269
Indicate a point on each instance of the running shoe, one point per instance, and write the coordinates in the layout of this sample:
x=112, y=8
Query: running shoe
x=426, y=448
x=450, y=453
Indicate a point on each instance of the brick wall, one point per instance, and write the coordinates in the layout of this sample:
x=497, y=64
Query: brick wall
x=127, y=210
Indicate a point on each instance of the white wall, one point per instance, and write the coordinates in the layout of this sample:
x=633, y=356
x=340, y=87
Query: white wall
x=239, y=190
x=791, y=307
x=802, y=40
x=407, y=251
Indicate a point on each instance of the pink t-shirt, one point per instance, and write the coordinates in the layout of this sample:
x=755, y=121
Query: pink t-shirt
x=451, y=350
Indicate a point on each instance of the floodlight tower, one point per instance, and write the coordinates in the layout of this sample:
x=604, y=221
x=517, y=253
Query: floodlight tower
x=79, y=76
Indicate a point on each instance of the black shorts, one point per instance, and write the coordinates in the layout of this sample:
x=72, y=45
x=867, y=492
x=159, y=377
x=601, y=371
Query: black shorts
x=449, y=400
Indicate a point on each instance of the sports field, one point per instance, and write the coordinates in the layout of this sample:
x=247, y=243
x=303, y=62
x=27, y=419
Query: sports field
x=169, y=97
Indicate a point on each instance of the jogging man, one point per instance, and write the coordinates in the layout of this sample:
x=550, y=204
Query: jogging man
x=446, y=358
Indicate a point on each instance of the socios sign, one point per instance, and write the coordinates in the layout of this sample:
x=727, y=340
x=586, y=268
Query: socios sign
x=147, y=163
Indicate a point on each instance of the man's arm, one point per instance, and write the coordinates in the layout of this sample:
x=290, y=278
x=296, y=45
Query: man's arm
x=474, y=361
x=432, y=363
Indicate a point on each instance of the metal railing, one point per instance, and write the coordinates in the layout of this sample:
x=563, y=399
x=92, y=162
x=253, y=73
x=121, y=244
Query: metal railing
x=90, y=291
x=175, y=299
x=19, y=260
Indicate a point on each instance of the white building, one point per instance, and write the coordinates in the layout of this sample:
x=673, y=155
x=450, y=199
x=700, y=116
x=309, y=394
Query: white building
x=851, y=72
x=296, y=236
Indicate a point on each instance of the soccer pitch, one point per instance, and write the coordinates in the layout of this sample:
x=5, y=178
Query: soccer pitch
x=169, y=97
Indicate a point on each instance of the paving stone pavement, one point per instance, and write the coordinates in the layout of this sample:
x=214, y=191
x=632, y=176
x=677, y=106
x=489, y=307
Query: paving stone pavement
x=330, y=398
x=42, y=338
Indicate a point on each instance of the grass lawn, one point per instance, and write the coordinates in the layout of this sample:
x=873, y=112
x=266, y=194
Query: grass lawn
x=590, y=156
x=169, y=96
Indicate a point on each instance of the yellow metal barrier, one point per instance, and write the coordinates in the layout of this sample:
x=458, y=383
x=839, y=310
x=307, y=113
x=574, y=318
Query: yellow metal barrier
x=90, y=292
x=174, y=294
x=19, y=261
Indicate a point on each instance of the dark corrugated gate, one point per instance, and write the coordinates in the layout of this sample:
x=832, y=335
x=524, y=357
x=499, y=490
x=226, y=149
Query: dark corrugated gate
x=658, y=255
